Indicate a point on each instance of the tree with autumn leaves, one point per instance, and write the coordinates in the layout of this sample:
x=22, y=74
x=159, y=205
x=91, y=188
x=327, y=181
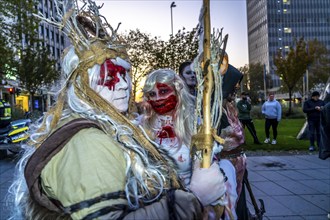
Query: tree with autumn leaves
x=148, y=53
x=292, y=66
x=26, y=56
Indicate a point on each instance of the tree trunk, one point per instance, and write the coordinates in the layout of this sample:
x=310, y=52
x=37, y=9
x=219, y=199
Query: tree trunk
x=290, y=102
x=31, y=101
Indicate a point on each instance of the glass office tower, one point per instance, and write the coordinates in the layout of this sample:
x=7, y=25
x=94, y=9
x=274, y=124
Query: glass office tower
x=274, y=24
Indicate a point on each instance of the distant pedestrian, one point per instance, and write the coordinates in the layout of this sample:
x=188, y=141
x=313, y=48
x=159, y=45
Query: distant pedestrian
x=273, y=112
x=312, y=108
x=244, y=109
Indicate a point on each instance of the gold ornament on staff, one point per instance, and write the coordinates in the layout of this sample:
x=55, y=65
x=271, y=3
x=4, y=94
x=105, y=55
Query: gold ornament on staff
x=203, y=141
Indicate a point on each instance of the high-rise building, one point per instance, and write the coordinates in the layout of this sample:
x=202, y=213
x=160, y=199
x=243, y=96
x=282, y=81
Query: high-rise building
x=274, y=25
x=53, y=38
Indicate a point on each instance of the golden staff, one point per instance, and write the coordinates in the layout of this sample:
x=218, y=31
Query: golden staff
x=208, y=87
x=203, y=140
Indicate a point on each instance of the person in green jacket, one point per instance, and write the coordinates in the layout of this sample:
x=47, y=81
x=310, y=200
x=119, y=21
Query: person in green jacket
x=244, y=109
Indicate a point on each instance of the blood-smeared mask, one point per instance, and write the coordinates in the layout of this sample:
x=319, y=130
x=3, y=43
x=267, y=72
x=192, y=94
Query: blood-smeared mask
x=109, y=74
x=162, y=98
x=113, y=85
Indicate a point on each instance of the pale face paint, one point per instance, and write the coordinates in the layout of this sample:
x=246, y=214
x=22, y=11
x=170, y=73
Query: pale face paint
x=189, y=76
x=113, y=85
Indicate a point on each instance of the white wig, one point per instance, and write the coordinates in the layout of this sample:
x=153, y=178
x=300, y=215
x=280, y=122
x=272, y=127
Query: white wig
x=183, y=116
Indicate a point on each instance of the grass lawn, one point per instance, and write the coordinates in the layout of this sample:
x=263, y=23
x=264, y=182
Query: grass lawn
x=287, y=130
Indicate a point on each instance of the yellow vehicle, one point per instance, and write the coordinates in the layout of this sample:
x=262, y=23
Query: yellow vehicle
x=12, y=136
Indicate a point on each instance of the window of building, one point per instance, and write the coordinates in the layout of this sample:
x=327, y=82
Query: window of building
x=287, y=2
x=286, y=11
x=287, y=30
x=286, y=48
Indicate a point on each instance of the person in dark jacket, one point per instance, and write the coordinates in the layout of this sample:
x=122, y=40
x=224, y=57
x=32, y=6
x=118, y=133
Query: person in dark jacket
x=244, y=108
x=324, y=151
x=312, y=108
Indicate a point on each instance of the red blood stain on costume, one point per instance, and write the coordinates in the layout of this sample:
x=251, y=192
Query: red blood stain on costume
x=166, y=104
x=181, y=159
x=166, y=132
x=110, y=79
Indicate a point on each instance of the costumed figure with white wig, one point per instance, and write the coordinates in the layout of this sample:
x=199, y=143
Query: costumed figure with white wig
x=168, y=119
x=85, y=159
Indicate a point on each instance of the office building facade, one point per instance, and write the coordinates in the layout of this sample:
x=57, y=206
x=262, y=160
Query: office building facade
x=274, y=25
x=54, y=39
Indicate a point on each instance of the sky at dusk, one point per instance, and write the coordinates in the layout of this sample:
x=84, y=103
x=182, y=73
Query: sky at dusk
x=154, y=17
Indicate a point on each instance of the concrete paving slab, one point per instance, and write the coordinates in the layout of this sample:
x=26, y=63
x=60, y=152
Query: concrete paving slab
x=316, y=174
x=321, y=201
x=273, y=175
x=298, y=205
x=318, y=185
x=296, y=187
x=274, y=208
x=256, y=177
x=271, y=189
x=294, y=175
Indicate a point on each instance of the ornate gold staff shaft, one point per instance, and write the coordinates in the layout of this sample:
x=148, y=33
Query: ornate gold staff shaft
x=203, y=140
x=208, y=87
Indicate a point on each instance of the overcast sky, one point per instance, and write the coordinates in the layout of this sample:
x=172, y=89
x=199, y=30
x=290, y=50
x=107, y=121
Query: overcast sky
x=154, y=17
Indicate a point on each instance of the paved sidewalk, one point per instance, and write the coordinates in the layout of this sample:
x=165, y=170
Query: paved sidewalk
x=292, y=187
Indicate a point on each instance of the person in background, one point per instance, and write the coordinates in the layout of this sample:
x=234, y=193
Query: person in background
x=188, y=76
x=273, y=112
x=5, y=113
x=312, y=108
x=244, y=109
x=324, y=151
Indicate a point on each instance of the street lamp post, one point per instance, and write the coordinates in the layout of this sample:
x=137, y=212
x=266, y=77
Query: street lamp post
x=172, y=6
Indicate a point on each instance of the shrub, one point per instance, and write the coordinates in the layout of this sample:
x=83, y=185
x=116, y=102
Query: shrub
x=17, y=112
x=34, y=115
x=296, y=112
x=256, y=112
